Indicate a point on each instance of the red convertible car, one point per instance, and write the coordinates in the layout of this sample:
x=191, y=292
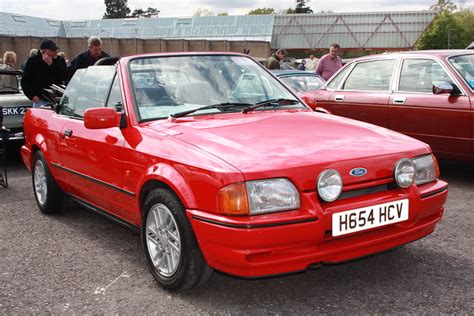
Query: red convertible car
x=220, y=166
x=424, y=94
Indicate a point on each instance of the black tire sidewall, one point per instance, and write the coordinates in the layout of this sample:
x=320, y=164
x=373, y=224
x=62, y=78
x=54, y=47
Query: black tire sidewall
x=54, y=195
x=191, y=263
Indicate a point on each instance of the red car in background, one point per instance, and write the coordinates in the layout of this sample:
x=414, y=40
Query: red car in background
x=219, y=165
x=424, y=94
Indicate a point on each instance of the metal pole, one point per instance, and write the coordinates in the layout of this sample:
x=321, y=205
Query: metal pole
x=449, y=38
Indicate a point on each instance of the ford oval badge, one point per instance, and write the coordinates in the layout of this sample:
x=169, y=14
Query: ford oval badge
x=358, y=172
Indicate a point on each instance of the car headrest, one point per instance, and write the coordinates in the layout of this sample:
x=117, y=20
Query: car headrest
x=197, y=92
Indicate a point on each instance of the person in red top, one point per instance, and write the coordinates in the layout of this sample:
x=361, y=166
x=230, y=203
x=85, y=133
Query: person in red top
x=329, y=63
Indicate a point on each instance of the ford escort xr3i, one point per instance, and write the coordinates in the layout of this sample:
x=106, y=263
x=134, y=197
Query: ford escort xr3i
x=220, y=166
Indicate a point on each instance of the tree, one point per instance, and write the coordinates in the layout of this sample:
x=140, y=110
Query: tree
x=262, y=11
x=444, y=32
x=149, y=13
x=116, y=9
x=443, y=6
x=302, y=7
x=203, y=12
x=465, y=19
x=223, y=13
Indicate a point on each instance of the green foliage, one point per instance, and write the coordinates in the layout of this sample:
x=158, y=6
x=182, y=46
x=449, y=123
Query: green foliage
x=223, y=13
x=465, y=19
x=149, y=13
x=260, y=11
x=116, y=9
x=443, y=6
x=302, y=7
x=448, y=30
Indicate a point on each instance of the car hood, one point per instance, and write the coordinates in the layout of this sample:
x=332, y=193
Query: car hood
x=286, y=143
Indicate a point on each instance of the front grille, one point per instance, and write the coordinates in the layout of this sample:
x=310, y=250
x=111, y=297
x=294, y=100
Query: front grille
x=365, y=191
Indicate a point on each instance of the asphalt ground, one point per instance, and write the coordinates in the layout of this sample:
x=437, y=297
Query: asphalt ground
x=78, y=262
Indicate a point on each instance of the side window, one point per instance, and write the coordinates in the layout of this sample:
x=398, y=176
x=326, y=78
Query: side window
x=115, y=96
x=419, y=75
x=67, y=104
x=94, y=89
x=337, y=80
x=371, y=75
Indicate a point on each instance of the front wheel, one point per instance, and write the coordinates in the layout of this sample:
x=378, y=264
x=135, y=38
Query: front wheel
x=48, y=195
x=171, y=248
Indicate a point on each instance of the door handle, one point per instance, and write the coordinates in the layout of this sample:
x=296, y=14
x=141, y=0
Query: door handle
x=399, y=100
x=339, y=98
x=67, y=133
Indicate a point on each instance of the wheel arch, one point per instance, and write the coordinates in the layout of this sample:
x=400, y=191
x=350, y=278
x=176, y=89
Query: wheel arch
x=166, y=176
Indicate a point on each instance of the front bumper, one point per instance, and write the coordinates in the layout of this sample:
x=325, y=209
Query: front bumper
x=291, y=241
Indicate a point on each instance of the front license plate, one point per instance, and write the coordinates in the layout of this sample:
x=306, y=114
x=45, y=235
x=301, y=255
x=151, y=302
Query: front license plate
x=14, y=110
x=369, y=217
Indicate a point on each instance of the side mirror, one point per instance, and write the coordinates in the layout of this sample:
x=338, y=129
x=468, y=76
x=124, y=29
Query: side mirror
x=100, y=118
x=444, y=88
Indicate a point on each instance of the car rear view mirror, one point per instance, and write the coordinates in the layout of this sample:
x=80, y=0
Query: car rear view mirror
x=443, y=88
x=100, y=118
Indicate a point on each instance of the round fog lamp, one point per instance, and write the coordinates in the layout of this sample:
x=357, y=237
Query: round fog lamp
x=329, y=185
x=405, y=172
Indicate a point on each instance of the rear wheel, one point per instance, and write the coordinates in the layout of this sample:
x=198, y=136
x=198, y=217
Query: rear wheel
x=48, y=195
x=172, y=251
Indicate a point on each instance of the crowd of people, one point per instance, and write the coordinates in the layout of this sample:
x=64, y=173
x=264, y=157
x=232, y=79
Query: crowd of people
x=46, y=66
x=326, y=66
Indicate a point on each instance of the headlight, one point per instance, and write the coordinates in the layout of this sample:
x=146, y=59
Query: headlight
x=258, y=197
x=405, y=172
x=272, y=195
x=425, y=168
x=329, y=185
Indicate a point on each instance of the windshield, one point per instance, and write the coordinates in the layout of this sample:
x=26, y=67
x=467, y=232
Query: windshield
x=299, y=83
x=169, y=85
x=464, y=65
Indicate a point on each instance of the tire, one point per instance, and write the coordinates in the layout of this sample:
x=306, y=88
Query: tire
x=48, y=195
x=171, y=249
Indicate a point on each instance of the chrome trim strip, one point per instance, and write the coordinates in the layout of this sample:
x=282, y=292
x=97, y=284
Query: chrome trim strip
x=111, y=186
x=250, y=226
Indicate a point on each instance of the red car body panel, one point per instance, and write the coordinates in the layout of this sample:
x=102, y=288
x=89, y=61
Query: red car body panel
x=197, y=156
x=445, y=122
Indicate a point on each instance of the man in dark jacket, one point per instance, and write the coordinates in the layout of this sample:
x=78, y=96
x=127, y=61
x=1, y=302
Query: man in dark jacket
x=41, y=71
x=273, y=62
x=89, y=57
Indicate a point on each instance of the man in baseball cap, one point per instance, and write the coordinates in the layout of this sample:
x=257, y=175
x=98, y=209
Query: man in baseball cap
x=42, y=70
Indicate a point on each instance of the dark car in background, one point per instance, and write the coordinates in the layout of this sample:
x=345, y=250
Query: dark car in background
x=13, y=104
x=424, y=94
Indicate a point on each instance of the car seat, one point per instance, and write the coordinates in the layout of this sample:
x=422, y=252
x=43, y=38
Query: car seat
x=197, y=92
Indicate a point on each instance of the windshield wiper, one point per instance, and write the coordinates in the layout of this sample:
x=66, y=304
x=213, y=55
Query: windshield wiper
x=275, y=102
x=220, y=106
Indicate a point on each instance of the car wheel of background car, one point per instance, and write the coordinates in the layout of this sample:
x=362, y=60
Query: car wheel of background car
x=48, y=195
x=171, y=248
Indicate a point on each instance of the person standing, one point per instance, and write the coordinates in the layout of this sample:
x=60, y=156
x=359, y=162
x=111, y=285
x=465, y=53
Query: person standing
x=8, y=82
x=89, y=57
x=41, y=71
x=330, y=63
x=33, y=52
x=273, y=62
x=302, y=65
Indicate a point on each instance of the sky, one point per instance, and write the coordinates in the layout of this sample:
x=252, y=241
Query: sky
x=94, y=9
